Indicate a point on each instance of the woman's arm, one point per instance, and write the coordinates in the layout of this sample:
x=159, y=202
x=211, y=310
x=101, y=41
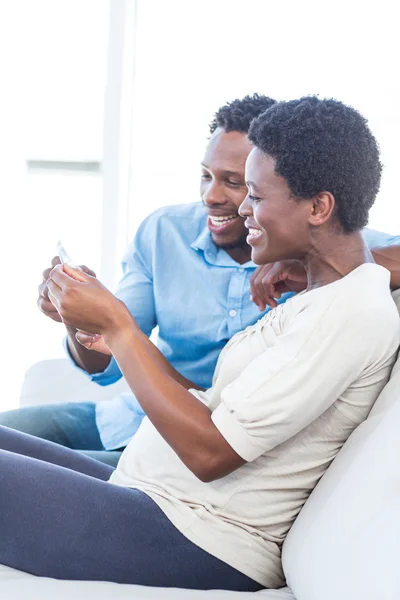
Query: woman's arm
x=97, y=343
x=182, y=420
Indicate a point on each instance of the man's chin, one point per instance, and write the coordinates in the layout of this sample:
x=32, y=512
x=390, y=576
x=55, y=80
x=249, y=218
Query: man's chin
x=227, y=243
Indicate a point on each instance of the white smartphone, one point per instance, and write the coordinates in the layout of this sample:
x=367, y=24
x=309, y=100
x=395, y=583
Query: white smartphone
x=64, y=256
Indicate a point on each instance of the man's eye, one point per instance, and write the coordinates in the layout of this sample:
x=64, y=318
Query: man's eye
x=234, y=183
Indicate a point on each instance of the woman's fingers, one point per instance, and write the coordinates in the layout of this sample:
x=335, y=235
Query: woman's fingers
x=77, y=273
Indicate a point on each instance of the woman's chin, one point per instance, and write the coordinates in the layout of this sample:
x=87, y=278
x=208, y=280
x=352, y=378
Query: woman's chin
x=260, y=257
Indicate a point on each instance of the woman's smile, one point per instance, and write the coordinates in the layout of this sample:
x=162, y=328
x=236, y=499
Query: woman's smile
x=254, y=232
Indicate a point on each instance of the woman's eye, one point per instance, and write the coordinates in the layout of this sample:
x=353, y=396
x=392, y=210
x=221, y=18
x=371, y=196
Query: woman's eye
x=255, y=198
x=205, y=177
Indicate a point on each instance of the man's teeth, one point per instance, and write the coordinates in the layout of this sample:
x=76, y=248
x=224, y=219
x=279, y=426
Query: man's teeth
x=222, y=220
x=254, y=232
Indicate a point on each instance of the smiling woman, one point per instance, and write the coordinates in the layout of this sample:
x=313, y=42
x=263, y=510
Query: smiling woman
x=219, y=475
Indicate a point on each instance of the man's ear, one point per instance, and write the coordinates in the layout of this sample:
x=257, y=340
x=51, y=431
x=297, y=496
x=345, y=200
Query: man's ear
x=322, y=207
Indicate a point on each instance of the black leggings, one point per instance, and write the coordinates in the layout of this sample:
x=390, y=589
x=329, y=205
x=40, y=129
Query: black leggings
x=59, y=517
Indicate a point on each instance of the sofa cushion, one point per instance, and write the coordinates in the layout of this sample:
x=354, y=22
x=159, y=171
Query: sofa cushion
x=345, y=544
x=15, y=585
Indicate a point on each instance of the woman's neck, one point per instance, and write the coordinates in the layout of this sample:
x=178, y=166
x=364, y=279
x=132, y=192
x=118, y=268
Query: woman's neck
x=334, y=256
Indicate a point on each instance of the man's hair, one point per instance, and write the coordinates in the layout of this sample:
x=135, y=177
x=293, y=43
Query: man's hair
x=323, y=145
x=237, y=115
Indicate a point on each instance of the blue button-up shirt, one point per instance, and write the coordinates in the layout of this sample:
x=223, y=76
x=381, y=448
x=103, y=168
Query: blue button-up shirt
x=176, y=279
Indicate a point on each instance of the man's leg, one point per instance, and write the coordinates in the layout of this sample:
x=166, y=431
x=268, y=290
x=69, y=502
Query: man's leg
x=108, y=457
x=71, y=424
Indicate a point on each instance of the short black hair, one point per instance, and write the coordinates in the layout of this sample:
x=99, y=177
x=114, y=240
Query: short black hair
x=238, y=114
x=323, y=145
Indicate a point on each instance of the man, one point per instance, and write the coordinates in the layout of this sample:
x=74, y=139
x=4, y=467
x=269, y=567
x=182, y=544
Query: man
x=188, y=272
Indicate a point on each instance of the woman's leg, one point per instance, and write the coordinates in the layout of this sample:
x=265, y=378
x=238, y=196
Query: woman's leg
x=28, y=445
x=58, y=523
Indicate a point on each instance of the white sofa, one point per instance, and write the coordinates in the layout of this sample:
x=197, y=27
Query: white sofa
x=345, y=544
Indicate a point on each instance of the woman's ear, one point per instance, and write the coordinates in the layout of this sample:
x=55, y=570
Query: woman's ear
x=322, y=207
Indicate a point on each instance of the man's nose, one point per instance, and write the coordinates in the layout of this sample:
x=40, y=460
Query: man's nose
x=213, y=194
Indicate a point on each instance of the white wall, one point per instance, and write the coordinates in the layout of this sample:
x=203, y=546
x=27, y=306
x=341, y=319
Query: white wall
x=194, y=56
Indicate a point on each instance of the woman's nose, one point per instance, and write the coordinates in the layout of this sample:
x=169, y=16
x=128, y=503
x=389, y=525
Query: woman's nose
x=245, y=209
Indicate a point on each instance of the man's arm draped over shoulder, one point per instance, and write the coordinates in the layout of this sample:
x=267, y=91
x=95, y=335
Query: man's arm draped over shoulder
x=389, y=257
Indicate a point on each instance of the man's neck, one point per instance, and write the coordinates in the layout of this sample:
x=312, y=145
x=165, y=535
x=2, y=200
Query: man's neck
x=240, y=254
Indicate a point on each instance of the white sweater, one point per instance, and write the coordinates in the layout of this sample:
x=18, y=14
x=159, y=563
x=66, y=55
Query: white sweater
x=287, y=393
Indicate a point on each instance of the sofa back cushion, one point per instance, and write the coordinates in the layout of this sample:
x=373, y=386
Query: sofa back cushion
x=345, y=544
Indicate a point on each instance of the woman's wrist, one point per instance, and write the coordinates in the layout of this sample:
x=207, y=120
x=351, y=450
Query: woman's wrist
x=122, y=327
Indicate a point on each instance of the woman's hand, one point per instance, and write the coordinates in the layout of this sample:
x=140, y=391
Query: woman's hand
x=43, y=302
x=84, y=303
x=271, y=281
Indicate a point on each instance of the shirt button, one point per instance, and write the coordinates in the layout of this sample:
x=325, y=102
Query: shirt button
x=232, y=313
x=241, y=270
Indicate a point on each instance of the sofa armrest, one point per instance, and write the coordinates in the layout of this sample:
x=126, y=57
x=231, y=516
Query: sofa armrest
x=56, y=380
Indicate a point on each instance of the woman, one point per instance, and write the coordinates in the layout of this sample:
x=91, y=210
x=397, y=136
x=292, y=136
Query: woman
x=208, y=488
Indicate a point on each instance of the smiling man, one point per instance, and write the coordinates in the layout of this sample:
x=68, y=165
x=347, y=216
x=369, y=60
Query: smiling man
x=223, y=189
x=188, y=271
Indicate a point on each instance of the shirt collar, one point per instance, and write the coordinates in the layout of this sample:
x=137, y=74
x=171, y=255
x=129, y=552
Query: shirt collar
x=215, y=255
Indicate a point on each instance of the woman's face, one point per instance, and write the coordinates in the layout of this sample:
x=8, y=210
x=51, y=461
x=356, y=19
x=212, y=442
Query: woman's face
x=278, y=224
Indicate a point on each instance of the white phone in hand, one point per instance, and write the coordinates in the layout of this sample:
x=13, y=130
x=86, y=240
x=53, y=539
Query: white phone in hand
x=64, y=256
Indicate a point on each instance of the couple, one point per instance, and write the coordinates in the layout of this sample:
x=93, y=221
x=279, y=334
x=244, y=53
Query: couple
x=207, y=489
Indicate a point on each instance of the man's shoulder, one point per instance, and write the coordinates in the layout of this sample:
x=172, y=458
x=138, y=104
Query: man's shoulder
x=192, y=215
x=180, y=223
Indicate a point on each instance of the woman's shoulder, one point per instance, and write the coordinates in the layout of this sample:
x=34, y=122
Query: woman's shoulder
x=361, y=300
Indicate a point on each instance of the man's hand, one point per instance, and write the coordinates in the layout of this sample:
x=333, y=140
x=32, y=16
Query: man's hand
x=269, y=282
x=43, y=301
x=93, y=341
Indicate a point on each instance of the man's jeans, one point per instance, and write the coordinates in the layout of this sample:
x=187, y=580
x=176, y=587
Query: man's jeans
x=72, y=424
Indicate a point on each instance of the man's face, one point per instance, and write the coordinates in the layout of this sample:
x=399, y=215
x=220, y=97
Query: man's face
x=223, y=187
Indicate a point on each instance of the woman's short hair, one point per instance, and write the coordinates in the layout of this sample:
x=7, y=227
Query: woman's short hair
x=238, y=114
x=323, y=145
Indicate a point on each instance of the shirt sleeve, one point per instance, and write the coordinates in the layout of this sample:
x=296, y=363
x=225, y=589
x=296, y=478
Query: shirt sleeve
x=379, y=239
x=135, y=289
x=295, y=381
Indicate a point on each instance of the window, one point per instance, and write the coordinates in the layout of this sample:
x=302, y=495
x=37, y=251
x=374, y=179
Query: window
x=56, y=189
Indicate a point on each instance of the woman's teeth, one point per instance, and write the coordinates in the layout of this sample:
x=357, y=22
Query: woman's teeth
x=254, y=232
x=222, y=220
